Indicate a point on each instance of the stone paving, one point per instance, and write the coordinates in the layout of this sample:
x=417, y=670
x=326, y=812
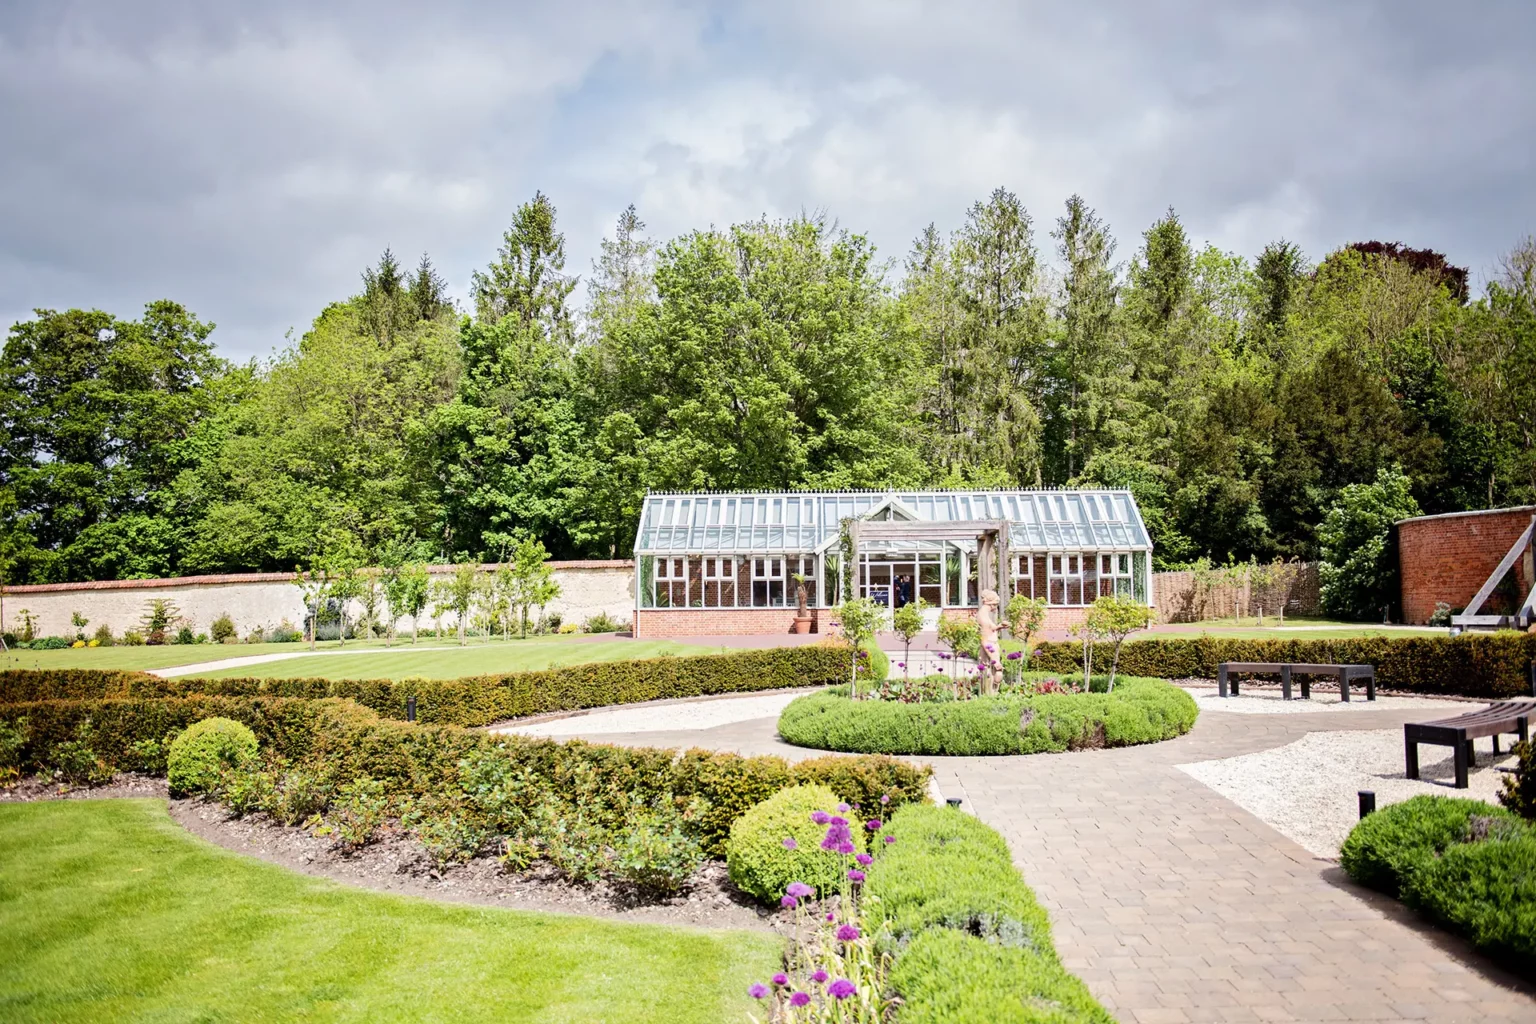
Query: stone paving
x=1175, y=905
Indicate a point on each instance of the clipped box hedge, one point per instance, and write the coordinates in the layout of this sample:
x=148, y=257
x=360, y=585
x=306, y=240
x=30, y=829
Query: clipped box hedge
x=1491, y=665
x=475, y=700
x=972, y=944
x=343, y=740
x=1137, y=711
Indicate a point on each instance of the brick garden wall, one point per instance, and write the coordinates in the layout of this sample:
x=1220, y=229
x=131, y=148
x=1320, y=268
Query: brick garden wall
x=655, y=623
x=1449, y=557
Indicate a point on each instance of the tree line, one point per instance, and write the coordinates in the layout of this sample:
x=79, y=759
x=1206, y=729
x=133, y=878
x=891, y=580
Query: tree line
x=1236, y=398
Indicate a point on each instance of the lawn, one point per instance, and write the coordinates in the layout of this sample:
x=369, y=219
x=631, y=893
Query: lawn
x=433, y=659
x=109, y=911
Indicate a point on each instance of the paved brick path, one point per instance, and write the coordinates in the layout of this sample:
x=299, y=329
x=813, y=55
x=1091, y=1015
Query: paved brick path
x=1176, y=905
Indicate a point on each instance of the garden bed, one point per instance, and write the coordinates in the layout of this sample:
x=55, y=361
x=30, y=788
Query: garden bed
x=1136, y=711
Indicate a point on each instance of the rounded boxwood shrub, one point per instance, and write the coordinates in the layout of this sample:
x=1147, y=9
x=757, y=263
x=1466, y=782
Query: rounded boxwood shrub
x=760, y=863
x=1484, y=889
x=1137, y=711
x=1388, y=846
x=203, y=750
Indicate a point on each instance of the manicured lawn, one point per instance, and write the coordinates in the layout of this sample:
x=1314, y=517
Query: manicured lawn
x=109, y=911
x=362, y=661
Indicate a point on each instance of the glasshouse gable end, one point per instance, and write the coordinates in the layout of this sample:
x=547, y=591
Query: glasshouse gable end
x=736, y=563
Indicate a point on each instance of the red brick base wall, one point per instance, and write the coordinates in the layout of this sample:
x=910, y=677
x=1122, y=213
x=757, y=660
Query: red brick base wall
x=1448, y=558
x=655, y=623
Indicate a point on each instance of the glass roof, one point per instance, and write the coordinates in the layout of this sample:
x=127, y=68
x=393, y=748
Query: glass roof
x=702, y=522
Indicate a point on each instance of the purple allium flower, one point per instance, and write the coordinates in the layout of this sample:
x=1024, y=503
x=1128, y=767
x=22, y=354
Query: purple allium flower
x=889, y=840
x=855, y=875
x=831, y=916
x=820, y=817
x=1015, y=655
x=990, y=647
x=780, y=979
x=943, y=656
x=845, y=847
x=788, y=902
x=799, y=999
x=819, y=977
x=864, y=859
x=758, y=991
x=901, y=664
x=873, y=824
x=848, y=933
x=842, y=988
x=843, y=808
x=885, y=798
x=789, y=843
x=799, y=890
x=838, y=819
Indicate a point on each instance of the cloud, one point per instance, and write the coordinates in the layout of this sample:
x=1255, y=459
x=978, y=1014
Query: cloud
x=250, y=163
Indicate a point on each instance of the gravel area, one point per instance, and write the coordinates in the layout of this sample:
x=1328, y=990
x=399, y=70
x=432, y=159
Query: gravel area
x=1270, y=702
x=1307, y=789
x=706, y=713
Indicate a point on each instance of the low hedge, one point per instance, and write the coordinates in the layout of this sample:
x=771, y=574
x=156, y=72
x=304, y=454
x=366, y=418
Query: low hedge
x=475, y=700
x=344, y=741
x=1137, y=711
x=972, y=944
x=1467, y=865
x=1490, y=665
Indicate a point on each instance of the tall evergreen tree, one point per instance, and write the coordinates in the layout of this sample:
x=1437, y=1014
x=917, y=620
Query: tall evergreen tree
x=1088, y=366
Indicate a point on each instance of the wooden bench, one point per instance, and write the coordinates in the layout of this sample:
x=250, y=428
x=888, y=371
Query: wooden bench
x=1344, y=673
x=1508, y=716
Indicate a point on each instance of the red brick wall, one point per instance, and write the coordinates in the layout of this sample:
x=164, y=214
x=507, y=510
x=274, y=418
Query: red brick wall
x=1448, y=558
x=654, y=623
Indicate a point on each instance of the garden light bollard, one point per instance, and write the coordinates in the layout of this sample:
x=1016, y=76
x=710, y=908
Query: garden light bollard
x=954, y=802
x=1367, y=802
x=410, y=709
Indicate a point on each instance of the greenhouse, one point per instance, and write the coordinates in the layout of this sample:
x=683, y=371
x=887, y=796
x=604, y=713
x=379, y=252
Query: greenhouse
x=714, y=562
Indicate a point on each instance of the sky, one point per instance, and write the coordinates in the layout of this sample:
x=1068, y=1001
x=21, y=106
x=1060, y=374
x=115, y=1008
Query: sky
x=248, y=160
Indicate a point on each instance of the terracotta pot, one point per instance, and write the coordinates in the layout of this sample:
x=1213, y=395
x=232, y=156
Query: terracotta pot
x=802, y=624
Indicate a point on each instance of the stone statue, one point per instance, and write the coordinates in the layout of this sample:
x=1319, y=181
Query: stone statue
x=991, y=647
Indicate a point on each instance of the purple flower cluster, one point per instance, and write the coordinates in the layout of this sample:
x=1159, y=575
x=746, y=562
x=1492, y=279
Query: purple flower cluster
x=839, y=839
x=841, y=989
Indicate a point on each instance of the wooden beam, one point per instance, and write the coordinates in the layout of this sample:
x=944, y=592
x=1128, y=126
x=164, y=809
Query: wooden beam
x=1505, y=563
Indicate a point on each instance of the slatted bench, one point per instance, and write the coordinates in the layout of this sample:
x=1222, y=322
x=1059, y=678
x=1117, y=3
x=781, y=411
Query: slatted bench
x=1344, y=673
x=1507, y=716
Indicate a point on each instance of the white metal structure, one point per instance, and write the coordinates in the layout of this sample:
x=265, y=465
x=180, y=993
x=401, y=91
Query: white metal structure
x=744, y=550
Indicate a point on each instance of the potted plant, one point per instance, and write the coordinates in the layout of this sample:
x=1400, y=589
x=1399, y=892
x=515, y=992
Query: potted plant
x=803, y=614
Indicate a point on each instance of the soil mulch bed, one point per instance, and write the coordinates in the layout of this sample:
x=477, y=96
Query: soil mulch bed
x=397, y=863
x=123, y=784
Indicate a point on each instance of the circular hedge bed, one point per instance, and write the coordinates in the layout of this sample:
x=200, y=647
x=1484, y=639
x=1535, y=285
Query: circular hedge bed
x=1137, y=711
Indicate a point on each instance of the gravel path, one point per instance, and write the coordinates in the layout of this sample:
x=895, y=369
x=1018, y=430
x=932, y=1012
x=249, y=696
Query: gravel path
x=1307, y=789
x=262, y=659
x=1270, y=702
x=670, y=716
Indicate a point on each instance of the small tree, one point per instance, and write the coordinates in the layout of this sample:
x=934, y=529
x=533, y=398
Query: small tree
x=801, y=594
x=1026, y=616
x=459, y=596
x=533, y=579
x=859, y=620
x=79, y=622
x=314, y=585
x=505, y=582
x=370, y=594
x=907, y=621
x=346, y=585
x=1112, y=619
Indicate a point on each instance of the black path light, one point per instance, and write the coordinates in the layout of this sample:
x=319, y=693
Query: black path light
x=410, y=709
x=1367, y=802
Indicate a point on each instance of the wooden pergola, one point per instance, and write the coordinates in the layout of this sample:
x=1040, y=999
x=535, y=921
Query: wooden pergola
x=991, y=536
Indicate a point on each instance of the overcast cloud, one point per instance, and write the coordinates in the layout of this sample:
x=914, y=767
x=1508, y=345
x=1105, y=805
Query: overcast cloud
x=249, y=161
